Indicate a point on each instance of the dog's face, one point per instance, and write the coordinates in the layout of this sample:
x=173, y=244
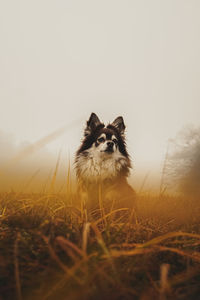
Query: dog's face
x=105, y=142
x=103, y=150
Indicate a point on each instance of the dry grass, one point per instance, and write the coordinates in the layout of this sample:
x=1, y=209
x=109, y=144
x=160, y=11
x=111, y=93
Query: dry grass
x=48, y=251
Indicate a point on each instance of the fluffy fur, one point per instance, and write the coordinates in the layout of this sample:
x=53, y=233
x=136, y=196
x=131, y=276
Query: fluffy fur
x=102, y=160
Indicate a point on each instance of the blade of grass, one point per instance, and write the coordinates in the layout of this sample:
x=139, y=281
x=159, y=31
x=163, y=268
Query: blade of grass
x=86, y=231
x=55, y=173
x=67, y=271
x=17, y=274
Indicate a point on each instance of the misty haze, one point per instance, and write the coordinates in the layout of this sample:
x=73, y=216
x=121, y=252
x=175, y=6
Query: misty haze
x=71, y=234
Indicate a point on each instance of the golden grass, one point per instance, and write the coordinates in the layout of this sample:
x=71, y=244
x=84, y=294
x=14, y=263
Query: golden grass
x=48, y=251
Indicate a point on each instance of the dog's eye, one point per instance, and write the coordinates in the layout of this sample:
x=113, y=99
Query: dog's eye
x=101, y=140
x=115, y=141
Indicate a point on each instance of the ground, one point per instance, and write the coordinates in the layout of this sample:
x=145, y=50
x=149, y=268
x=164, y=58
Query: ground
x=49, y=251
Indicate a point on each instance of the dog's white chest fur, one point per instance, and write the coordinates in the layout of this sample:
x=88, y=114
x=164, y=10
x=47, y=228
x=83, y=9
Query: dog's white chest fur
x=94, y=165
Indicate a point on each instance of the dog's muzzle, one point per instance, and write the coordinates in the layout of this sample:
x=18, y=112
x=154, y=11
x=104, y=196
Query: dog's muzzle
x=109, y=148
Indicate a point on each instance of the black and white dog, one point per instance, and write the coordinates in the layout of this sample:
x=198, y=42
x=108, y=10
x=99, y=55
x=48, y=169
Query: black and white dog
x=102, y=160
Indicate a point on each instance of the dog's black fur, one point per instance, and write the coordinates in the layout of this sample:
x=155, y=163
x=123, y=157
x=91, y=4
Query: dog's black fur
x=102, y=159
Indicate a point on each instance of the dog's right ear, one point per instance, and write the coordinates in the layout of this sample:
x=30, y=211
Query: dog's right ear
x=92, y=123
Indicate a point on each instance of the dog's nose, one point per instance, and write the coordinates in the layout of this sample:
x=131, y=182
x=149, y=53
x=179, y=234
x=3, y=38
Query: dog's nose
x=110, y=144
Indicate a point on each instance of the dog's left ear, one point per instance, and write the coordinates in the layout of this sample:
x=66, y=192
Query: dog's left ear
x=119, y=124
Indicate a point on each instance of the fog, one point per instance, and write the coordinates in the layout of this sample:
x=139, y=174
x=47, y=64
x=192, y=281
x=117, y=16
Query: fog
x=31, y=167
x=182, y=164
x=62, y=60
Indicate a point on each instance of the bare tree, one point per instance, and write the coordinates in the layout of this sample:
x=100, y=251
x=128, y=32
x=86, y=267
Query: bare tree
x=182, y=167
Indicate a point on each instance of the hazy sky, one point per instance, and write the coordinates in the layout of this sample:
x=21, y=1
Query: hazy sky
x=60, y=60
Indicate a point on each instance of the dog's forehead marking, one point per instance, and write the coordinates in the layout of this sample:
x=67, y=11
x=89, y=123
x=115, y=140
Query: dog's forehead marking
x=103, y=135
x=107, y=133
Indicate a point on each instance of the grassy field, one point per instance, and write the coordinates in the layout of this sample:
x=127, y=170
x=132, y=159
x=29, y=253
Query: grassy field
x=48, y=251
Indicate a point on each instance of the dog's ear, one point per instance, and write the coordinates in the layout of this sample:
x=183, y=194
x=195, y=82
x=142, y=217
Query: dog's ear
x=92, y=123
x=119, y=124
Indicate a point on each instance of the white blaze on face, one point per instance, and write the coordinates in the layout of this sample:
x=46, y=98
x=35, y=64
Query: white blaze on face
x=114, y=139
x=103, y=143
